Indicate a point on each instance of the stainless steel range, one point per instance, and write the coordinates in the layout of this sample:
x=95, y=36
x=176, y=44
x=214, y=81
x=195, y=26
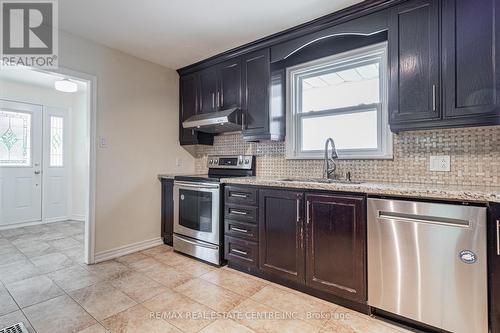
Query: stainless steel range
x=198, y=227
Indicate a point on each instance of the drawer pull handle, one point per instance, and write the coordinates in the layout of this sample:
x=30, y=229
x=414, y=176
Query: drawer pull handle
x=238, y=195
x=238, y=212
x=239, y=252
x=239, y=230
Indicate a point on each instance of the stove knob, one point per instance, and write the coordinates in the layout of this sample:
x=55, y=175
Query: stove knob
x=247, y=161
x=216, y=161
x=211, y=162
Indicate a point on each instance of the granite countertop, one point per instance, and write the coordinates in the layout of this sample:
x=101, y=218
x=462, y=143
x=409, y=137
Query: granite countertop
x=167, y=176
x=434, y=191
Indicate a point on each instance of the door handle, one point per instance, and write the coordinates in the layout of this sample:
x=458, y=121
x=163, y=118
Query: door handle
x=307, y=211
x=213, y=100
x=219, y=102
x=242, y=121
x=298, y=210
x=433, y=97
x=37, y=172
x=498, y=237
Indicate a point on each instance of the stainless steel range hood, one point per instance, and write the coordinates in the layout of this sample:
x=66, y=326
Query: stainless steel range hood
x=215, y=122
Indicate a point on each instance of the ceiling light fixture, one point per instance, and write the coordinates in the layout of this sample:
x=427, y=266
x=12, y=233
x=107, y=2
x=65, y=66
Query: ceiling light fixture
x=66, y=85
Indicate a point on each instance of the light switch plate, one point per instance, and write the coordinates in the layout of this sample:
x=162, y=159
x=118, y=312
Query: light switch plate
x=178, y=162
x=440, y=163
x=103, y=142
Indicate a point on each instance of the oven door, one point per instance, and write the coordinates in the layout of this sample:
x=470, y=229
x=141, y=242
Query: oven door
x=197, y=211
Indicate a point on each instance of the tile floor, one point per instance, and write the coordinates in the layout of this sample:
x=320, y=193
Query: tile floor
x=45, y=284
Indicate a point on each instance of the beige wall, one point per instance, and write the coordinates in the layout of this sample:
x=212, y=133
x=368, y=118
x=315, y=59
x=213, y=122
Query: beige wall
x=137, y=106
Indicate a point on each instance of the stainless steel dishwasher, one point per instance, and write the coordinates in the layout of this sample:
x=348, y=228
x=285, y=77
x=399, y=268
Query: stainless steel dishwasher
x=427, y=262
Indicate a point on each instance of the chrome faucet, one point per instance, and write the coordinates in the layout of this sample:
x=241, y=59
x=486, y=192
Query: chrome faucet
x=329, y=165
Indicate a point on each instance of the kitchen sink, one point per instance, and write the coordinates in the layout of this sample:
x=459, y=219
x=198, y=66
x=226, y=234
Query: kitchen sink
x=319, y=180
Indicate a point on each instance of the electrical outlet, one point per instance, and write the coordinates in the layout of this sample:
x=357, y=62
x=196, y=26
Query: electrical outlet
x=103, y=142
x=178, y=162
x=440, y=163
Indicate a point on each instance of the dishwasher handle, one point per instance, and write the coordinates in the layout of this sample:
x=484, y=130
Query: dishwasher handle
x=415, y=218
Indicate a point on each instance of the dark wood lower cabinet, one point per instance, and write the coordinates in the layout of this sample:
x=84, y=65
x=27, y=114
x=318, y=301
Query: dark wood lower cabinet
x=281, y=250
x=494, y=266
x=167, y=210
x=336, y=245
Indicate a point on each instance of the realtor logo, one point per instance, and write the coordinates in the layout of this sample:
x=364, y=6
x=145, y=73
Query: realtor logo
x=29, y=33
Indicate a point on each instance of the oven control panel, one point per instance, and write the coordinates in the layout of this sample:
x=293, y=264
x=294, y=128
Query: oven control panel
x=244, y=162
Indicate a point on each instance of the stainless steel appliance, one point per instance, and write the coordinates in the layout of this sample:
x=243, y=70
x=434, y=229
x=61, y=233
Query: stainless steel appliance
x=198, y=227
x=427, y=262
x=228, y=120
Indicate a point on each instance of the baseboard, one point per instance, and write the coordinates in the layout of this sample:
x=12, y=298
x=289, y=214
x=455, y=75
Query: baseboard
x=127, y=249
x=77, y=217
x=32, y=223
x=55, y=219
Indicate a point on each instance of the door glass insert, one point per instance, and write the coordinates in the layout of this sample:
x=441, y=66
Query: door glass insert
x=195, y=210
x=56, y=141
x=15, y=138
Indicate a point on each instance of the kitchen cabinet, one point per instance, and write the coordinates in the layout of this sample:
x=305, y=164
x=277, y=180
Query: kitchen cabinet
x=414, y=67
x=220, y=86
x=208, y=90
x=471, y=60
x=262, y=103
x=167, y=210
x=444, y=60
x=281, y=251
x=229, y=84
x=189, y=106
x=494, y=266
x=336, y=245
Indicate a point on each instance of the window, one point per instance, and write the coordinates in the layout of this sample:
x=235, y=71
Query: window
x=56, y=141
x=15, y=139
x=343, y=97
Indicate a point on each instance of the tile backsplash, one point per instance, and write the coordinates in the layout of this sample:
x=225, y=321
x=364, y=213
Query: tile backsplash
x=474, y=152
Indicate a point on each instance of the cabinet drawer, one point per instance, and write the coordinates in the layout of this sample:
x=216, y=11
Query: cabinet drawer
x=240, y=213
x=240, y=229
x=241, y=251
x=240, y=195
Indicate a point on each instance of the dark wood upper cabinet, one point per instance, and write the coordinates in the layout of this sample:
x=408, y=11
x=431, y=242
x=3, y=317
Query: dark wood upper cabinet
x=471, y=58
x=281, y=252
x=229, y=84
x=188, y=106
x=336, y=245
x=208, y=90
x=414, y=80
x=263, y=98
x=494, y=266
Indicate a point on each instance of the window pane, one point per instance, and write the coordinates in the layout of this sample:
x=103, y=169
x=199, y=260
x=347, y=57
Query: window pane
x=333, y=89
x=349, y=131
x=15, y=138
x=56, y=141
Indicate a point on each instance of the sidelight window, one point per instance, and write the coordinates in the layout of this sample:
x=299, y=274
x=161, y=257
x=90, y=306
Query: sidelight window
x=56, y=141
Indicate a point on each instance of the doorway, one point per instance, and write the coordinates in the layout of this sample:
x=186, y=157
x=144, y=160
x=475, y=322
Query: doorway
x=46, y=156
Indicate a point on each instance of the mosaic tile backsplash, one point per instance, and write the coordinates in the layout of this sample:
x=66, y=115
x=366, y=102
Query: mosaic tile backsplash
x=474, y=152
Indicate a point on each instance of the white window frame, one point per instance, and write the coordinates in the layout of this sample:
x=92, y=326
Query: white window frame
x=377, y=52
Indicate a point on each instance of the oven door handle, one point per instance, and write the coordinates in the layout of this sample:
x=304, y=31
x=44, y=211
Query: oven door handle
x=197, y=185
x=208, y=246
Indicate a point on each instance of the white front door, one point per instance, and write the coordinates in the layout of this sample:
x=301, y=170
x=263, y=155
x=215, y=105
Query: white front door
x=20, y=162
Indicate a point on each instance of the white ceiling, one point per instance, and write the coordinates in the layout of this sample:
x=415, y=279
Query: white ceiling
x=176, y=33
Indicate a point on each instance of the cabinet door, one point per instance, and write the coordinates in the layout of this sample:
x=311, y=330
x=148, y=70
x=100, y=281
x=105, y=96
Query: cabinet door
x=336, y=245
x=494, y=266
x=414, y=60
x=471, y=58
x=255, y=86
x=229, y=90
x=208, y=90
x=167, y=210
x=188, y=107
x=281, y=251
